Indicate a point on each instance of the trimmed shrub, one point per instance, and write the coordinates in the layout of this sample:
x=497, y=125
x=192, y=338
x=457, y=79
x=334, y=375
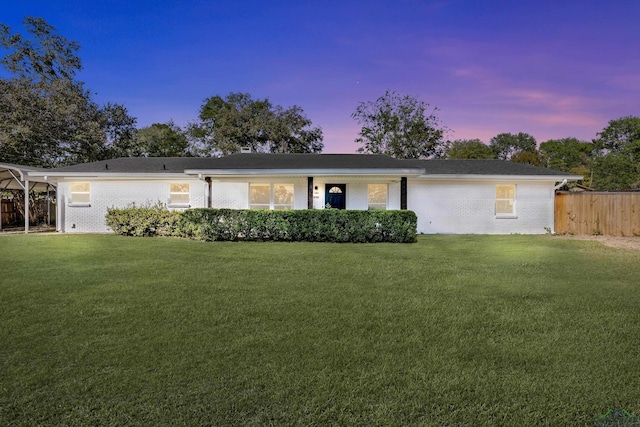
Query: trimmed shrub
x=325, y=225
x=145, y=221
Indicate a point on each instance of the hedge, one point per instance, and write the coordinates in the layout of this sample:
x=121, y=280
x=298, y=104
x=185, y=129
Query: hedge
x=324, y=225
x=145, y=221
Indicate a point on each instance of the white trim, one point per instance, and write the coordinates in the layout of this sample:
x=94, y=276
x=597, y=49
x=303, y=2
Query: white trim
x=514, y=200
x=478, y=177
x=110, y=175
x=413, y=173
x=304, y=172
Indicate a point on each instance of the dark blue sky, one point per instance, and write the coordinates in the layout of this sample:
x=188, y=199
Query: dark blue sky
x=553, y=69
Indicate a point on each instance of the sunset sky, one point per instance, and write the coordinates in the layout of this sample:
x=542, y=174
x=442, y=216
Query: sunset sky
x=552, y=69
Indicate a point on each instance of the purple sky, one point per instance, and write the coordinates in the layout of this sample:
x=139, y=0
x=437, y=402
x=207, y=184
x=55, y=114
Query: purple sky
x=553, y=69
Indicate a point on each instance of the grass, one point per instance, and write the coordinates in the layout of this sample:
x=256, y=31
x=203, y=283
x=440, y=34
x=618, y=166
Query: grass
x=453, y=330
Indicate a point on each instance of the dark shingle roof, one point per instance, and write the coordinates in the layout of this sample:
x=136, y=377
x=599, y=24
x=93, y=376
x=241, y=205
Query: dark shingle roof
x=141, y=165
x=484, y=167
x=310, y=161
x=240, y=161
x=257, y=161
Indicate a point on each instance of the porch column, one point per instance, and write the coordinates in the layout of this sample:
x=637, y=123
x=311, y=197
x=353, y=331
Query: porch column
x=209, y=191
x=403, y=193
x=310, y=192
x=26, y=206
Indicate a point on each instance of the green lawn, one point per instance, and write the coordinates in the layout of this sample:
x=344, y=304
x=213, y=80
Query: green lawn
x=453, y=330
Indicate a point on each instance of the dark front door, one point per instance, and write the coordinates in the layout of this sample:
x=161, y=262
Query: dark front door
x=335, y=195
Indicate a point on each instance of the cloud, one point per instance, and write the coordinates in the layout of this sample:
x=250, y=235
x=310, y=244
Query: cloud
x=630, y=82
x=545, y=99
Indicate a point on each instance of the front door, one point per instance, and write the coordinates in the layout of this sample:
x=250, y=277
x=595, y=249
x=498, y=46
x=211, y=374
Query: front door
x=335, y=195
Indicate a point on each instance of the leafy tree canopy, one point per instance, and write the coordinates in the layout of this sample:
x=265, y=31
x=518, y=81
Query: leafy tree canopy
x=468, y=149
x=399, y=126
x=227, y=124
x=161, y=140
x=616, y=165
x=44, y=55
x=615, y=171
x=529, y=157
x=46, y=117
x=619, y=135
x=506, y=145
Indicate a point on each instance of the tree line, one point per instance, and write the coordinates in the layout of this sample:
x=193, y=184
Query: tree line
x=48, y=118
x=611, y=161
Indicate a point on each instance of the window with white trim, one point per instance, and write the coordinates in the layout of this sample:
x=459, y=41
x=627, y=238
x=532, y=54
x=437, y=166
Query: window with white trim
x=377, y=196
x=271, y=196
x=505, y=201
x=179, y=194
x=259, y=196
x=80, y=193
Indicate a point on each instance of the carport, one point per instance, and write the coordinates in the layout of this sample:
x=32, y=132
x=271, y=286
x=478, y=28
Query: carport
x=16, y=177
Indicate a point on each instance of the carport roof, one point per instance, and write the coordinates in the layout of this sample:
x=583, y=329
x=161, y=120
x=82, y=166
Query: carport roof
x=10, y=174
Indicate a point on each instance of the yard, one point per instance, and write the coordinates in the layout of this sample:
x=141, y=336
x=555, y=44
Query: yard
x=453, y=330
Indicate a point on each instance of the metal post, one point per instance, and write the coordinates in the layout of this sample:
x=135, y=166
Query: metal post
x=26, y=206
x=48, y=208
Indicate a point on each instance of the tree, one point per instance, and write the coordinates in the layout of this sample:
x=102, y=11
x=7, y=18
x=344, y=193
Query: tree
x=45, y=56
x=532, y=158
x=568, y=155
x=46, y=117
x=618, y=135
x=291, y=132
x=161, y=140
x=615, y=171
x=227, y=124
x=616, y=164
x=399, y=126
x=468, y=149
x=506, y=145
x=41, y=121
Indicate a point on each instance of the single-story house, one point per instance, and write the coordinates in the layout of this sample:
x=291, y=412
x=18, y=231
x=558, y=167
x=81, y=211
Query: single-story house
x=448, y=196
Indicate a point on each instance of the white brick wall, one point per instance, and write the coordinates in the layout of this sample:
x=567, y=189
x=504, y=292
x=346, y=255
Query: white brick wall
x=441, y=206
x=120, y=194
x=456, y=207
x=356, y=191
x=234, y=194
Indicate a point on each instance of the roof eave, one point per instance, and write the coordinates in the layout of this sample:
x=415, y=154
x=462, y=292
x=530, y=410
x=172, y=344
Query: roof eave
x=488, y=177
x=116, y=175
x=306, y=172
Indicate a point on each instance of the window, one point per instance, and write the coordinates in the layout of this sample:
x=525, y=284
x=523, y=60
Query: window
x=179, y=194
x=271, y=196
x=283, y=196
x=505, y=200
x=259, y=196
x=377, y=196
x=80, y=193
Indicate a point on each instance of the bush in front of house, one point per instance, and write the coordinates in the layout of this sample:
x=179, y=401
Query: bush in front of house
x=325, y=225
x=146, y=221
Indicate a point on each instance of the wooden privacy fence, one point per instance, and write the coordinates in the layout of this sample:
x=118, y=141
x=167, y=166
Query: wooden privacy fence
x=40, y=213
x=612, y=214
x=8, y=212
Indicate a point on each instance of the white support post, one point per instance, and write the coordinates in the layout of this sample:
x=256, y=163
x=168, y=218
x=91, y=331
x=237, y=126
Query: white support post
x=26, y=206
